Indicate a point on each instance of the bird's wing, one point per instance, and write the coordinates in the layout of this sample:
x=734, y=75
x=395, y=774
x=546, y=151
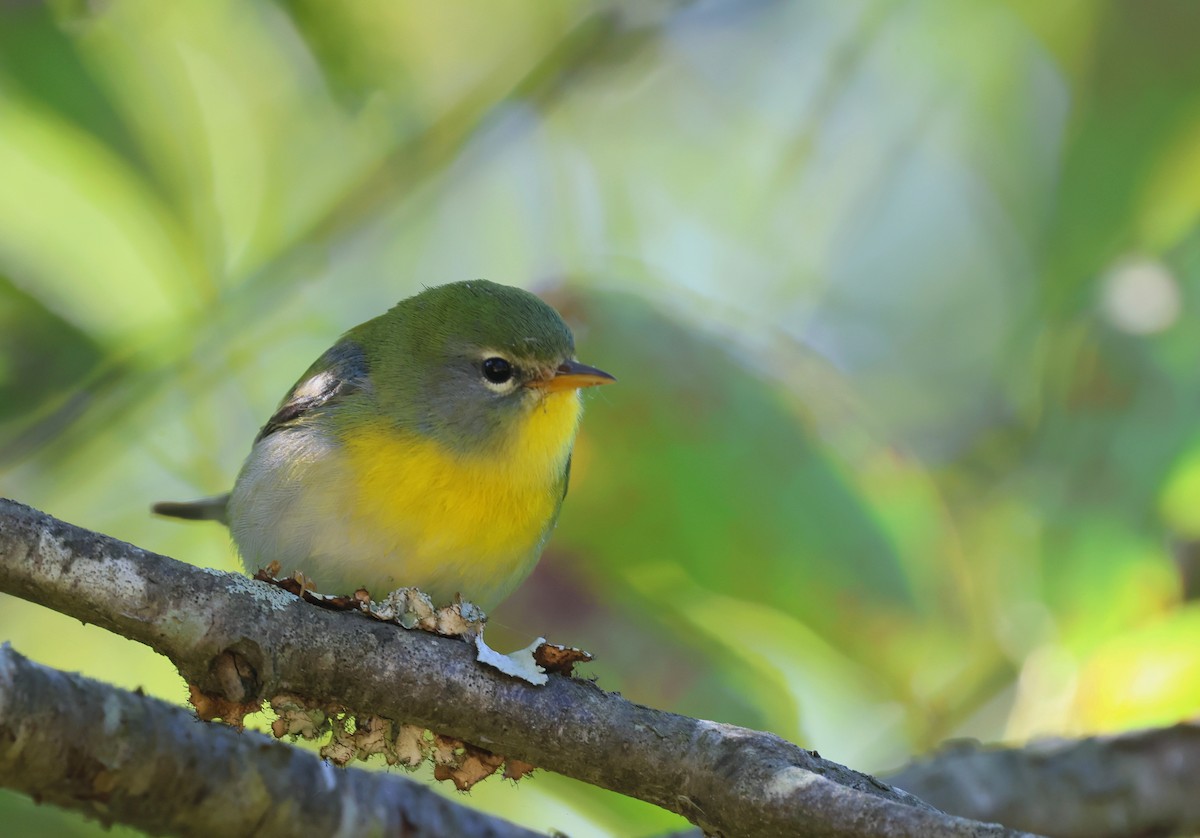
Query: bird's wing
x=341, y=371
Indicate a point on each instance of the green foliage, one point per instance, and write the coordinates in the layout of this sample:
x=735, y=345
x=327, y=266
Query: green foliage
x=901, y=297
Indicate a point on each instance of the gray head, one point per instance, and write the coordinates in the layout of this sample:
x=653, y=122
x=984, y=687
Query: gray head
x=462, y=362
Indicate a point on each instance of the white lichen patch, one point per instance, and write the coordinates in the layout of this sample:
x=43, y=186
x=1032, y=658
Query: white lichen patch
x=276, y=598
x=60, y=562
x=790, y=780
x=184, y=623
x=518, y=664
x=112, y=715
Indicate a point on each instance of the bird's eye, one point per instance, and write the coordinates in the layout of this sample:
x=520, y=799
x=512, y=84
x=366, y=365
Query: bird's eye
x=497, y=370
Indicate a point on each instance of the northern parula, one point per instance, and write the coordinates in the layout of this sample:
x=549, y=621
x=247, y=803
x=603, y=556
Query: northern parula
x=430, y=446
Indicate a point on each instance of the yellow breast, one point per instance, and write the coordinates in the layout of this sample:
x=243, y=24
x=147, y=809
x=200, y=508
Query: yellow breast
x=460, y=523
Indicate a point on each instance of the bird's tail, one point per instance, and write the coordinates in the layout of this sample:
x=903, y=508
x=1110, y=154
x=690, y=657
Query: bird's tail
x=207, y=509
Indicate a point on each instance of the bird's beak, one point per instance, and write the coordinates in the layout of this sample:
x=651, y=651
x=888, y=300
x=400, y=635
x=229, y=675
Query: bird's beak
x=571, y=375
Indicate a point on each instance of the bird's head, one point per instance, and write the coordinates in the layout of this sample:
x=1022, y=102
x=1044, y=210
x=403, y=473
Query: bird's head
x=466, y=362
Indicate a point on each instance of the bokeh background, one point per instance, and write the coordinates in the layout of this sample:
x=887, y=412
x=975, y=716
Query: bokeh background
x=903, y=297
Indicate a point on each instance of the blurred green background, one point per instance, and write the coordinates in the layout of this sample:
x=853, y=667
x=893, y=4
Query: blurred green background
x=902, y=297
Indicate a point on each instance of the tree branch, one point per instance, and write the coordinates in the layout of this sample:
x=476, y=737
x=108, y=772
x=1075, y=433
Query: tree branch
x=1140, y=783
x=725, y=779
x=119, y=756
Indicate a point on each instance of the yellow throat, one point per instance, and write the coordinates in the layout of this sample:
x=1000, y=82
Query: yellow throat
x=456, y=523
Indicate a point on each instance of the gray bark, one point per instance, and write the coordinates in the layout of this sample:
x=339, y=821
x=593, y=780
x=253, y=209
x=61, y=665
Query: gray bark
x=1141, y=783
x=119, y=756
x=246, y=641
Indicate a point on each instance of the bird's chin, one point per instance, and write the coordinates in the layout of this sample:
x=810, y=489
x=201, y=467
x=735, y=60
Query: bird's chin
x=540, y=397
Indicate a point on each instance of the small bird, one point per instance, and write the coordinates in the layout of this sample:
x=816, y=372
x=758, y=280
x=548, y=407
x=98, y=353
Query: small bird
x=428, y=447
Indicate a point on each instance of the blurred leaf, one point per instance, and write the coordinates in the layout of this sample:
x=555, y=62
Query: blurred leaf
x=46, y=66
x=23, y=816
x=99, y=249
x=1145, y=677
x=716, y=473
x=41, y=355
x=1137, y=104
